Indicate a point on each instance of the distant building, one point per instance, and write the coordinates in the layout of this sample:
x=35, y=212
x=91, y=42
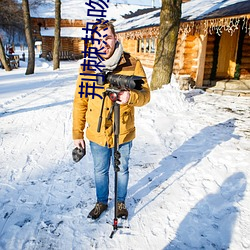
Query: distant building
x=71, y=34
x=74, y=18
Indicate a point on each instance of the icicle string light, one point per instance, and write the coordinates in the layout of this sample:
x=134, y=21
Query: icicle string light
x=140, y=33
x=206, y=27
x=218, y=25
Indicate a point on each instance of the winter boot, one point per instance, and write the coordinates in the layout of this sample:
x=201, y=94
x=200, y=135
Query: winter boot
x=122, y=211
x=97, y=210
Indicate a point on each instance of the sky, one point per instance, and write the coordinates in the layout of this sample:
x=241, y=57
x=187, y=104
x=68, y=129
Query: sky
x=189, y=169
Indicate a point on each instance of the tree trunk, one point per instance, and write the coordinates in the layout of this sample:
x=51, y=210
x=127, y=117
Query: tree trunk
x=29, y=38
x=3, y=57
x=169, y=27
x=56, y=59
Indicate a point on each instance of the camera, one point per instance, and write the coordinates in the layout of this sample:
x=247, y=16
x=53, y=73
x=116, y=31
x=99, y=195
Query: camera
x=120, y=81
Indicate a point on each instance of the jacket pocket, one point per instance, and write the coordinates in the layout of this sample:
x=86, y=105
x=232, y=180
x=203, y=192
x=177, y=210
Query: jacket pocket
x=126, y=120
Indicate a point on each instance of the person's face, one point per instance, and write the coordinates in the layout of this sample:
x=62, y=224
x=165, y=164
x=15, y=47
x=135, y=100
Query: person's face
x=110, y=41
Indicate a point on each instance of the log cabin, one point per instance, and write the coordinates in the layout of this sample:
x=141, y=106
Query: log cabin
x=71, y=43
x=213, y=41
x=74, y=16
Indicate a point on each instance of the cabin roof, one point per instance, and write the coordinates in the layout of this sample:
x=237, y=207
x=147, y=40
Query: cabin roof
x=77, y=10
x=208, y=9
x=74, y=32
x=194, y=10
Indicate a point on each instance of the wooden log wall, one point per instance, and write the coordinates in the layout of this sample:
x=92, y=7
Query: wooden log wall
x=66, y=44
x=146, y=59
x=47, y=45
x=209, y=57
x=131, y=46
x=186, y=55
x=245, y=60
x=73, y=45
x=187, y=50
x=190, y=56
x=78, y=46
x=50, y=22
x=179, y=59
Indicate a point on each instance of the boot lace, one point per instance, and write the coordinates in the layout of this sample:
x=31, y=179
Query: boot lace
x=97, y=209
x=121, y=206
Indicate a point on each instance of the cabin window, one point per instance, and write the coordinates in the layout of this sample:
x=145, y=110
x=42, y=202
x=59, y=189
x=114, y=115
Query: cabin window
x=146, y=45
x=152, y=45
x=140, y=45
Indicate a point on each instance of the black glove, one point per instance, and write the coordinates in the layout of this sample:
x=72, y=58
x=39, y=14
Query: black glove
x=78, y=153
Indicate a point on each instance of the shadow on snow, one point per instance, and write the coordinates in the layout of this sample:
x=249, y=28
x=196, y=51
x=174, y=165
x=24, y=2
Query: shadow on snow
x=190, y=153
x=23, y=110
x=209, y=225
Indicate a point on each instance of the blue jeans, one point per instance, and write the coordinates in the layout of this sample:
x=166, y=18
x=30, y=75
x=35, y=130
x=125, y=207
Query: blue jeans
x=102, y=158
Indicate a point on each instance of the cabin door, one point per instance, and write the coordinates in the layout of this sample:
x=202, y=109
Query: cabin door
x=227, y=55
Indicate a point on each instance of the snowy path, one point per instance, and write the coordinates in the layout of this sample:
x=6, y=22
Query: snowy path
x=189, y=170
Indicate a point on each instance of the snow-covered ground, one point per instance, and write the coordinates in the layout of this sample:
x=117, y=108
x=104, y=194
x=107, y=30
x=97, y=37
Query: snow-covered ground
x=189, y=170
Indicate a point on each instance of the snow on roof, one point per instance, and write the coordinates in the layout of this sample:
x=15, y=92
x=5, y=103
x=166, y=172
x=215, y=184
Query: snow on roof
x=145, y=20
x=38, y=42
x=65, y=32
x=77, y=9
x=192, y=10
x=197, y=9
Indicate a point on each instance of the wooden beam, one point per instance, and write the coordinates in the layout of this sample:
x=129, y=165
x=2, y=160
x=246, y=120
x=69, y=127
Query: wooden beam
x=201, y=60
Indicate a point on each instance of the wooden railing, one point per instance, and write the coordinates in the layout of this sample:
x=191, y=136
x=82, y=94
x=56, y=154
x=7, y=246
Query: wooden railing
x=63, y=55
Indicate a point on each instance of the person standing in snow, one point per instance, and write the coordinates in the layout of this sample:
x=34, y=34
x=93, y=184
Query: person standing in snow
x=87, y=110
x=11, y=50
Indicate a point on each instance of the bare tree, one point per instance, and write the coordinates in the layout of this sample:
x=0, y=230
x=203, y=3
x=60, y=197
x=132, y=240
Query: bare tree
x=3, y=57
x=56, y=59
x=11, y=16
x=28, y=33
x=11, y=24
x=169, y=27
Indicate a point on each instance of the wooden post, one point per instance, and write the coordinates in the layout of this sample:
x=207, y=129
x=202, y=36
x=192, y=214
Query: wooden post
x=144, y=45
x=140, y=42
x=149, y=45
x=201, y=60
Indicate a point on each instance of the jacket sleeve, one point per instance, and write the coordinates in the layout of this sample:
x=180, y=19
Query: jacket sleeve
x=141, y=97
x=80, y=106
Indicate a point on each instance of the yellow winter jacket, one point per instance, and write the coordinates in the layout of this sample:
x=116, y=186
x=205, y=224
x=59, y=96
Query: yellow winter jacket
x=87, y=109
